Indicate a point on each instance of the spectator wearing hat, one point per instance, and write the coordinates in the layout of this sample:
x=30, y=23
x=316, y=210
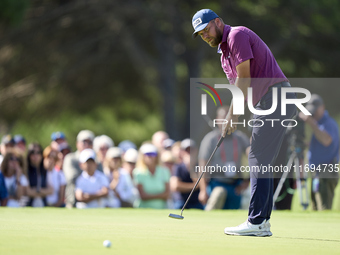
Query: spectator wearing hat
x=20, y=143
x=92, y=186
x=55, y=178
x=152, y=180
x=3, y=191
x=7, y=143
x=224, y=187
x=126, y=144
x=38, y=188
x=101, y=144
x=182, y=180
x=58, y=142
x=323, y=152
x=130, y=160
x=71, y=167
x=13, y=169
x=121, y=187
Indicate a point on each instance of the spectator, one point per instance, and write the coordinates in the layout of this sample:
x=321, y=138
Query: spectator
x=63, y=149
x=101, y=144
x=323, y=152
x=176, y=152
x=71, y=167
x=7, y=143
x=152, y=180
x=92, y=186
x=130, y=159
x=55, y=179
x=38, y=188
x=158, y=139
x=58, y=140
x=182, y=181
x=20, y=143
x=121, y=187
x=58, y=137
x=3, y=191
x=16, y=182
x=225, y=187
x=168, y=160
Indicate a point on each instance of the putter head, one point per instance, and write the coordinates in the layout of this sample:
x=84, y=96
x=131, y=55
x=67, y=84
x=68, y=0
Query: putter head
x=176, y=216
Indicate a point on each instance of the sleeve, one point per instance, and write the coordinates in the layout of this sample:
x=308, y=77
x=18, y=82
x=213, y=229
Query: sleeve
x=62, y=178
x=243, y=140
x=104, y=180
x=125, y=191
x=177, y=171
x=167, y=175
x=23, y=181
x=206, y=147
x=136, y=176
x=240, y=48
x=3, y=190
x=79, y=184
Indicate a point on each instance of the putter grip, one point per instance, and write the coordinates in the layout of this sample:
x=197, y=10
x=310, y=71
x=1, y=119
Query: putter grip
x=220, y=141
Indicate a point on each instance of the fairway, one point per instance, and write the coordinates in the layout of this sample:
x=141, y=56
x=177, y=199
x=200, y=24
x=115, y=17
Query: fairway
x=138, y=231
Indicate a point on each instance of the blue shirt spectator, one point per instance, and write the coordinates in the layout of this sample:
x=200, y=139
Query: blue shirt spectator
x=3, y=191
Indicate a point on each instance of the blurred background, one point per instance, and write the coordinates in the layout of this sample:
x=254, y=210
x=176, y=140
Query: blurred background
x=123, y=68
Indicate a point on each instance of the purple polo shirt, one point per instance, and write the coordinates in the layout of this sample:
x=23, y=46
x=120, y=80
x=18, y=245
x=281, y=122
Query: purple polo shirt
x=240, y=44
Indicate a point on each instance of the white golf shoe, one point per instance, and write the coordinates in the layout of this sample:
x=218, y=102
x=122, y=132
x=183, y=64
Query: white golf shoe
x=248, y=229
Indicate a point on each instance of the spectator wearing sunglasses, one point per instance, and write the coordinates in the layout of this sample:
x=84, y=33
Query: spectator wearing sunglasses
x=38, y=188
x=152, y=179
x=16, y=182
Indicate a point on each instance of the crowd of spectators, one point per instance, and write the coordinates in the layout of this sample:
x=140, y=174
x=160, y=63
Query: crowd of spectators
x=159, y=174
x=98, y=173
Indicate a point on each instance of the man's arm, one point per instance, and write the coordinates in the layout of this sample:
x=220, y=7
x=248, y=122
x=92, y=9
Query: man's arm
x=85, y=197
x=144, y=196
x=183, y=187
x=322, y=136
x=243, y=83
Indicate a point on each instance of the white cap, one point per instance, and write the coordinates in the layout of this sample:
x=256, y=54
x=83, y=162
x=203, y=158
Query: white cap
x=131, y=155
x=114, y=152
x=148, y=148
x=85, y=135
x=186, y=143
x=87, y=154
x=167, y=143
x=102, y=140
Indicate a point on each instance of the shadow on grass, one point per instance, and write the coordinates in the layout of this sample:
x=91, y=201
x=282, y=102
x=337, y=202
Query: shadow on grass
x=308, y=239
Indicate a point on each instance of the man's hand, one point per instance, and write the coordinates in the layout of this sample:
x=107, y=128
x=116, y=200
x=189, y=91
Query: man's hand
x=307, y=118
x=203, y=197
x=230, y=126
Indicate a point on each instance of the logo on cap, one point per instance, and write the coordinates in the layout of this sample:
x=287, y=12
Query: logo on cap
x=196, y=22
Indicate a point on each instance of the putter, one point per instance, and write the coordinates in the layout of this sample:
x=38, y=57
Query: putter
x=180, y=217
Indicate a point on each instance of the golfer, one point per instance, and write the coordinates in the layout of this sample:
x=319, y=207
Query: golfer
x=248, y=62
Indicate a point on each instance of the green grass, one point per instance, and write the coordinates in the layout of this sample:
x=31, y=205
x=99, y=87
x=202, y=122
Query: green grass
x=137, y=231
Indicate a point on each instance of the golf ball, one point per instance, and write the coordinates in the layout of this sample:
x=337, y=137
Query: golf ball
x=107, y=243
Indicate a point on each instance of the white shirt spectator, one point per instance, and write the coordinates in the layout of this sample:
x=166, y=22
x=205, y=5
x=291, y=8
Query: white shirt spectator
x=55, y=179
x=124, y=189
x=11, y=187
x=91, y=185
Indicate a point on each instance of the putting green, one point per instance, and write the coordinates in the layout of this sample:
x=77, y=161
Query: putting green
x=138, y=231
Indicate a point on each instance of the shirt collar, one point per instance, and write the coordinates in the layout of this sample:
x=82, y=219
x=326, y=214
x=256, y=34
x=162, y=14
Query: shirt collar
x=226, y=32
